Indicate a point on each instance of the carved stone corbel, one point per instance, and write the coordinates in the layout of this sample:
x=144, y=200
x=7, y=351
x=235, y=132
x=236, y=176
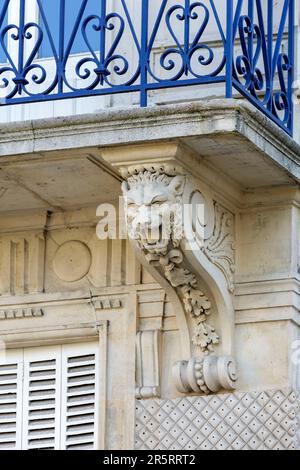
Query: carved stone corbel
x=155, y=198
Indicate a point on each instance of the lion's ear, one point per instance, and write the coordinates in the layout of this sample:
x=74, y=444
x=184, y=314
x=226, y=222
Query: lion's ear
x=125, y=187
x=177, y=185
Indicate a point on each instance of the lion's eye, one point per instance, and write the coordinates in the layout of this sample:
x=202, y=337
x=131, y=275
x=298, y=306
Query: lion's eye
x=158, y=200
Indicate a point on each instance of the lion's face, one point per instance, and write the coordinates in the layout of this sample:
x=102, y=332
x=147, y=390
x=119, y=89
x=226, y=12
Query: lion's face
x=150, y=209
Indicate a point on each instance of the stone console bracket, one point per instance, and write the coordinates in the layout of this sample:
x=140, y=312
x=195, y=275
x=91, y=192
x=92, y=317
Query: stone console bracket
x=170, y=241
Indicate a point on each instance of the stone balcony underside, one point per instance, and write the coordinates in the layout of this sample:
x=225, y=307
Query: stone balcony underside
x=65, y=163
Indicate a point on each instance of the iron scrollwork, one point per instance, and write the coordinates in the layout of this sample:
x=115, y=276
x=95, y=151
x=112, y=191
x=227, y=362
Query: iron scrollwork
x=262, y=70
x=129, y=56
x=191, y=47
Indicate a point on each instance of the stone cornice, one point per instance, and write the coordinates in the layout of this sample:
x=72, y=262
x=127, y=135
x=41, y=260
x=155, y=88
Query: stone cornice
x=135, y=125
x=54, y=334
x=282, y=294
x=143, y=291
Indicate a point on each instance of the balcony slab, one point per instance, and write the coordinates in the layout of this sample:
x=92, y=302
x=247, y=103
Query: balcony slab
x=69, y=162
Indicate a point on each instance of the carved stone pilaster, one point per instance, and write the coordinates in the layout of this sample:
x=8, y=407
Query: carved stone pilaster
x=155, y=200
x=148, y=351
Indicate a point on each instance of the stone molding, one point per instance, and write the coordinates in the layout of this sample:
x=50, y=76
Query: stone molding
x=51, y=334
x=148, y=370
x=18, y=313
x=107, y=303
x=53, y=318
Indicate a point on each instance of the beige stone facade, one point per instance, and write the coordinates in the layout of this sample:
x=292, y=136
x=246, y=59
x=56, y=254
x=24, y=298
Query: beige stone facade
x=189, y=345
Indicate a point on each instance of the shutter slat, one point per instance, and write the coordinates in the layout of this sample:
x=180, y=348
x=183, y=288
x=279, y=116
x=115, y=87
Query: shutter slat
x=89, y=362
x=42, y=434
x=40, y=388
x=34, y=445
x=7, y=420
x=80, y=430
x=42, y=376
x=50, y=381
x=10, y=405
x=45, y=396
x=89, y=446
x=8, y=381
x=81, y=383
x=75, y=394
x=79, y=400
x=8, y=401
x=7, y=437
x=33, y=427
x=79, y=412
x=77, y=420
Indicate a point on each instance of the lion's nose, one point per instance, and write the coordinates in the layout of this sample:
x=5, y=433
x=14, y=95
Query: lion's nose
x=145, y=216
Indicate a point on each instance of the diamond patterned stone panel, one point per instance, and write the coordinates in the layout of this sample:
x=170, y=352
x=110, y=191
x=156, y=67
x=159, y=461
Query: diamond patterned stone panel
x=237, y=421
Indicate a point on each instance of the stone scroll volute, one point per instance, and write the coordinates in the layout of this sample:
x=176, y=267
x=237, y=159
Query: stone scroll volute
x=186, y=240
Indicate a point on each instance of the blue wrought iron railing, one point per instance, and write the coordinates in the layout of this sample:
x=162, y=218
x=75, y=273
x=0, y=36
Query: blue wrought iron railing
x=56, y=49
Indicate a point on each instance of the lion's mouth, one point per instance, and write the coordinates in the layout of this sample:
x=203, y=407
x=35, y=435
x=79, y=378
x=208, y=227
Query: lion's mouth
x=153, y=235
x=155, y=239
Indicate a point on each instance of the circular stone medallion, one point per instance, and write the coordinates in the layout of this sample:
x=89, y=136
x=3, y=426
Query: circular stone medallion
x=72, y=261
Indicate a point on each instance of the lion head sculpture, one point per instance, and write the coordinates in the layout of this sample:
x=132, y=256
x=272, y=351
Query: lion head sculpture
x=153, y=207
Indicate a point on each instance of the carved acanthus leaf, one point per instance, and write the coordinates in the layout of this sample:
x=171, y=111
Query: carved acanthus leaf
x=220, y=247
x=178, y=277
x=195, y=302
x=205, y=336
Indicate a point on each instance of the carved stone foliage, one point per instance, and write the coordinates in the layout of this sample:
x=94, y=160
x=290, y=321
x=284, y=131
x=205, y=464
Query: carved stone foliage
x=220, y=246
x=195, y=302
x=213, y=231
x=153, y=207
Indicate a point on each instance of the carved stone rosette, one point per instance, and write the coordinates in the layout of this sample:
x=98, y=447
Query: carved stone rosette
x=154, y=212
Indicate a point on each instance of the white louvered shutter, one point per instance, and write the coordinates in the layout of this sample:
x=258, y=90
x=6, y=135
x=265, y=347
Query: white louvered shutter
x=49, y=398
x=41, y=398
x=11, y=401
x=80, y=369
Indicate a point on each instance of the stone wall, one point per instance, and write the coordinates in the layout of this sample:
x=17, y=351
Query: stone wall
x=237, y=421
